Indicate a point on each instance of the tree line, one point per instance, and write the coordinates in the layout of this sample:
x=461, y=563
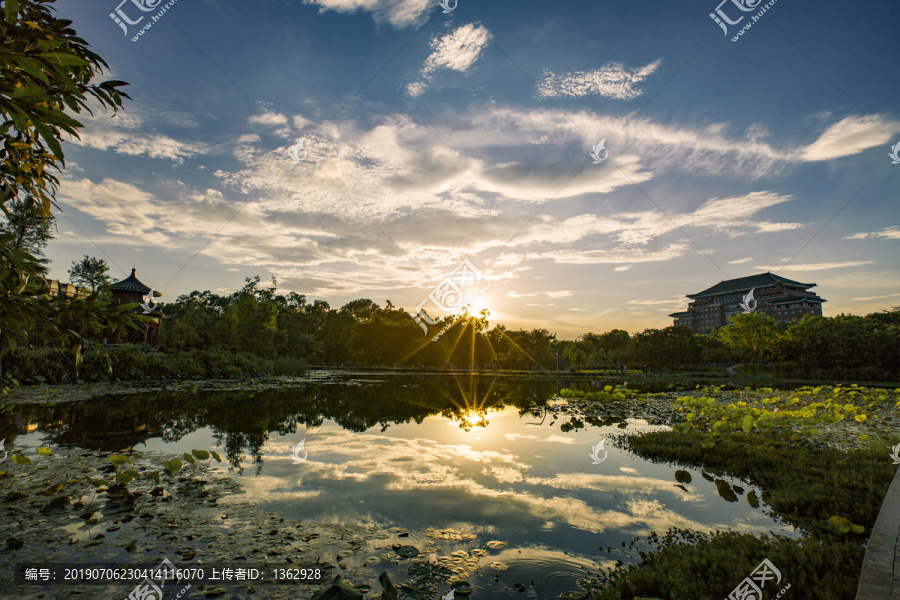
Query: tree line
x=259, y=320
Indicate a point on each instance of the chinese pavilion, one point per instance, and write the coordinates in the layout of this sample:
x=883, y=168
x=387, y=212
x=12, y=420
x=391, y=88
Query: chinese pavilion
x=131, y=289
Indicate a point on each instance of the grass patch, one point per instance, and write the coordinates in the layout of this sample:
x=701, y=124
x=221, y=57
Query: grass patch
x=804, y=485
x=694, y=566
x=822, y=491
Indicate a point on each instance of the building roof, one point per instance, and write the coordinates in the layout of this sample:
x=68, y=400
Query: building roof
x=743, y=284
x=131, y=284
x=789, y=299
x=682, y=314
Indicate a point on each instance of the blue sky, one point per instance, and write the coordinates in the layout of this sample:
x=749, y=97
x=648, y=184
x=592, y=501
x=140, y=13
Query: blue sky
x=434, y=137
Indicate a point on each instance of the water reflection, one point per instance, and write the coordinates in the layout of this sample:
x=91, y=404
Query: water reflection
x=484, y=458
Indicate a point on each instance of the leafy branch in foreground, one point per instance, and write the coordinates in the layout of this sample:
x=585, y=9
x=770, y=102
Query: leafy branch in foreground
x=45, y=71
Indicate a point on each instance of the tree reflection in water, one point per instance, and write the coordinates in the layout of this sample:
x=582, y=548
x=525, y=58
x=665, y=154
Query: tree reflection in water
x=243, y=421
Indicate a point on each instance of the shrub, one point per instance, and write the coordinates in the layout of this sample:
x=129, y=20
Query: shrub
x=134, y=362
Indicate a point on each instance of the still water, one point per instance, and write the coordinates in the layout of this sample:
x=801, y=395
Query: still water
x=455, y=462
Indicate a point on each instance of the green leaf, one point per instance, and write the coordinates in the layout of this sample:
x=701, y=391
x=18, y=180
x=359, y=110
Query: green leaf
x=200, y=454
x=154, y=475
x=682, y=477
x=68, y=60
x=339, y=590
x=21, y=460
x=52, y=490
x=47, y=136
x=11, y=8
x=407, y=551
x=28, y=93
x=98, y=482
x=216, y=456
x=389, y=592
x=120, y=459
x=747, y=425
x=725, y=490
x=752, y=500
x=43, y=451
x=189, y=458
x=172, y=466
x=840, y=524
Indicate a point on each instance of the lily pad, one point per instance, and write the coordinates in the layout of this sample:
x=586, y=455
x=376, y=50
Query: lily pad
x=407, y=551
x=725, y=490
x=752, y=500
x=429, y=572
x=339, y=590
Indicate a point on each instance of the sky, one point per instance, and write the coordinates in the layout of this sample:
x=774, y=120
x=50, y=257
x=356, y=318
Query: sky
x=365, y=148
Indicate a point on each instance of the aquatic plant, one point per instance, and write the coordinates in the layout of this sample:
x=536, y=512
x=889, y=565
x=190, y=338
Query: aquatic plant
x=690, y=564
x=804, y=411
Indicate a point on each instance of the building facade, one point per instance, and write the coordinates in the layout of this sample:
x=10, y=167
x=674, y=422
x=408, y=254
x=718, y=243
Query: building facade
x=782, y=299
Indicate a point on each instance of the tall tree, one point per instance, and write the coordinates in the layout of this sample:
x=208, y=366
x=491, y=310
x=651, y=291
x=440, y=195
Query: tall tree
x=46, y=71
x=753, y=335
x=89, y=271
x=29, y=228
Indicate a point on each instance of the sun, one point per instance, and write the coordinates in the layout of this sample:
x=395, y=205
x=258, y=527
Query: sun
x=476, y=305
x=473, y=418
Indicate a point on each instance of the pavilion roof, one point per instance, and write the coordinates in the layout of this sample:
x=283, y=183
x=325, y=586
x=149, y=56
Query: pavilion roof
x=131, y=284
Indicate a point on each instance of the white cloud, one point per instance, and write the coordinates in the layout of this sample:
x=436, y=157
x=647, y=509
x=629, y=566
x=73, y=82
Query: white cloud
x=740, y=261
x=816, y=266
x=415, y=89
x=458, y=50
x=677, y=300
x=398, y=13
x=455, y=51
x=875, y=297
x=133, y=134
x=730, y=215
x=850, y=136
x=612, y=80
x=890, y=233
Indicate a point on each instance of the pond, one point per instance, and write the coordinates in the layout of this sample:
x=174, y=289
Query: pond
x=486, y=477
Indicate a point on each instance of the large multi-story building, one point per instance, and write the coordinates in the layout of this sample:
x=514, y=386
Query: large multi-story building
x=782, y=299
